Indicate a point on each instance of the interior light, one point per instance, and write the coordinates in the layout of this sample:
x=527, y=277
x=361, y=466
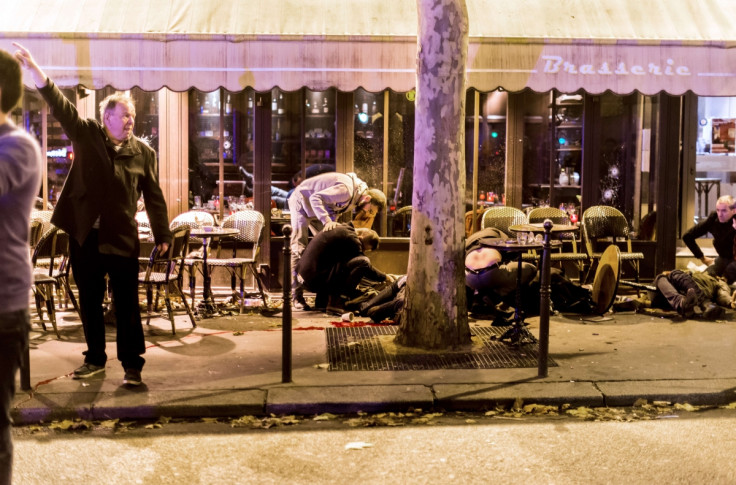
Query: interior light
x=363, y=117
x=494, y=134
x=562, y=140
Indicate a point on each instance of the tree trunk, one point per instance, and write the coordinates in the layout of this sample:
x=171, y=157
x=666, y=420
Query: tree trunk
x=435, y=310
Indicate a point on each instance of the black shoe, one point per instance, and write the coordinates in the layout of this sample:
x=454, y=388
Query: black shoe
x=713, y=311
x=88, y=370
x=688, y=303
x=132, y=377
x=299, y=303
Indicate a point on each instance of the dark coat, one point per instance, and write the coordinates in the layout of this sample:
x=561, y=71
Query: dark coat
x=328, y=254
x=723, y=236
x=106, y=184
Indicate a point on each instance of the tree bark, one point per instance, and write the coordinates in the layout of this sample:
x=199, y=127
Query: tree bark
x=435, y=310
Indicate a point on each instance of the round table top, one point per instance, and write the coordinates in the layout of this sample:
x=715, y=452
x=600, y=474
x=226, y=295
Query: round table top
x=538, y=228
x=213, y=232
x=509, y=245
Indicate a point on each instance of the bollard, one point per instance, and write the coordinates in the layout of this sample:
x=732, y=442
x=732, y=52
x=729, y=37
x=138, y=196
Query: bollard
x=544, y=293
x=286, y=314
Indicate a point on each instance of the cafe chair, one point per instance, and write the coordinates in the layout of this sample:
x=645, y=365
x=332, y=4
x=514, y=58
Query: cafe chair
x=44, y=216
x=538, y=215
x=603, y=225
x=166, y=272
x=34, y=233
x=47, y=259
x=193, y=219
x=502, y=218
x=250, y=224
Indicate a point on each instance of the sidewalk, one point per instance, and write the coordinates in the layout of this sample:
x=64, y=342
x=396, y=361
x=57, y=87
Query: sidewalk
x=231, y=366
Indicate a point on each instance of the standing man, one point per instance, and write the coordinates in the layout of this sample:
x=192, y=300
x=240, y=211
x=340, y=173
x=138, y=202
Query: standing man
x=97, y=209
x=323, y=198
x=720, y=225
x=20, y=178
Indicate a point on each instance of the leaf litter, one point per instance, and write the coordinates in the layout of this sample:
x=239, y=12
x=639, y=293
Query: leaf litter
x=518, y=410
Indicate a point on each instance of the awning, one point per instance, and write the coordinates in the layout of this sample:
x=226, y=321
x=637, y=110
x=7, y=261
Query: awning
x=597, y=45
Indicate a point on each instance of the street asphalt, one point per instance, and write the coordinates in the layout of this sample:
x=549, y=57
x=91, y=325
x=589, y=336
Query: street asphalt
x=232, y=366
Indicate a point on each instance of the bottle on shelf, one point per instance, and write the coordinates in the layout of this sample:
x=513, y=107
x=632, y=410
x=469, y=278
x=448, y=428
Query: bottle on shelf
x=274, y=104
x=280, y=109
x=228, y=106
x=325, y=108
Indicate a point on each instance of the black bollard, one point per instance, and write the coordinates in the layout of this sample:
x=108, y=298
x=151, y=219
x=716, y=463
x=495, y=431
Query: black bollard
x=544, y=293
x=286, y=314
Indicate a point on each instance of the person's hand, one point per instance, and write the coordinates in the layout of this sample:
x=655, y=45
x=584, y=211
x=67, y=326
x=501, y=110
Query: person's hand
x=706, y=260
x=162, y=248
x=330, y=226
x=26, y=60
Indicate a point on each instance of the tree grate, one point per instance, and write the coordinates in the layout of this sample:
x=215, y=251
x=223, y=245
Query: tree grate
x=360, y=348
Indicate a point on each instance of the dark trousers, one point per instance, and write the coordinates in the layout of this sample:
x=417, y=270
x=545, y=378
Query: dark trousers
x=90, y=267
x=723, y=267
x=13, y=342
x=343, y=279
x=674, y=286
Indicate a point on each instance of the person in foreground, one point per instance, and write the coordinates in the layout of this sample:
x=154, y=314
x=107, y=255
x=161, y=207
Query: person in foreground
x=97, y=207
x=20, y=178
x=323, y=198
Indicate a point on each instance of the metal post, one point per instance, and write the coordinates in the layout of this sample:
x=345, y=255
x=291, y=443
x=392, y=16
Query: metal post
x=544, y=304
x=286, y=314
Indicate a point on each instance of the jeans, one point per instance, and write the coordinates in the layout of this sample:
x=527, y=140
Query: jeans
x=14, y=328
x=674, y=286
x=90, y=267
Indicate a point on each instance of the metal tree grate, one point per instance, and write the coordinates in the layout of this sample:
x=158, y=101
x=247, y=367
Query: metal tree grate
x=359, y=348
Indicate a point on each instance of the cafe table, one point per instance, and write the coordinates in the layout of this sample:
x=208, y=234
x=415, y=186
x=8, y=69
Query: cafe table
x=209, y=235
x=546, y=229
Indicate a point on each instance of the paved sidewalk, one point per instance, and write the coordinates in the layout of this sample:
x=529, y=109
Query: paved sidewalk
x=231, y=366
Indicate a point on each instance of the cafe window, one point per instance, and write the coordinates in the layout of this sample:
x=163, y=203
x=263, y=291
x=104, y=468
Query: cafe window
x=369, y=123
x=715, y=151
x=491, y=168
x=59, y=152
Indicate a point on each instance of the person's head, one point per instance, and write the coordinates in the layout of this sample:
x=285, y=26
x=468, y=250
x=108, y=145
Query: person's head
x=117, y=112
x=375, y=198
x=724, y=209
x=11, y=82
x=369, y=238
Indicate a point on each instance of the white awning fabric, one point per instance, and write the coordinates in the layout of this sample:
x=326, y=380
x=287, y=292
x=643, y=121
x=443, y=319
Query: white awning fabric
x=597, y=45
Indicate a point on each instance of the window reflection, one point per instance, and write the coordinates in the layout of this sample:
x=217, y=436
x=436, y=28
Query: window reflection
x=368, y=144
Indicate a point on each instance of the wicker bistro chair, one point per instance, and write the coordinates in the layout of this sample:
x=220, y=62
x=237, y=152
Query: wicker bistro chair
x=250, y=223
x=539, y=215
x=502, y=218
x=193, y=219
x=603, y=225
x=50, y=266
x=166, y=272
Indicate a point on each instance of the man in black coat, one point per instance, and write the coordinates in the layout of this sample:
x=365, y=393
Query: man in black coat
x=334, y=262
x=97, y=207
x=720, y=225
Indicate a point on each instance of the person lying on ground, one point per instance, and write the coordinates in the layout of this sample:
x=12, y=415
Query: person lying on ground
x=688, y=291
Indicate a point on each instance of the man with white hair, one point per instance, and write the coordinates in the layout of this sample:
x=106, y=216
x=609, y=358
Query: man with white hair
x=720, y=224
x=97, y=207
